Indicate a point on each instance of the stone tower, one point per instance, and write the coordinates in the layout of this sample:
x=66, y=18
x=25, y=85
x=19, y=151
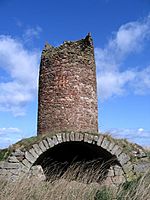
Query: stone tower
x=67, y=88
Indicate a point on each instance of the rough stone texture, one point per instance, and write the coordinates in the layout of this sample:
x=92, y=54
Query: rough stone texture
x=50, y=142
x=67, y=88
x=37, y=171
x=141, y=167
x=59, y=138
x=13, y=159
x=34, y=154
x=26, y=163
x=100, y=139
x=13, y=167
x=37, y=149
x=41, y=145
x=30, y=157
x=105, y=143
x=46, y=144
x=123, y=158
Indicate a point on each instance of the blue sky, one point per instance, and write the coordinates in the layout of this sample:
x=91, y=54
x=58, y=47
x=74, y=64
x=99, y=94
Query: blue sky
x=121, y=33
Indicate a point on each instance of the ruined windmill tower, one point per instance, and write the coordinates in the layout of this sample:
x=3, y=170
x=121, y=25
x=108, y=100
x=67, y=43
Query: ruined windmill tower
x=67, y=88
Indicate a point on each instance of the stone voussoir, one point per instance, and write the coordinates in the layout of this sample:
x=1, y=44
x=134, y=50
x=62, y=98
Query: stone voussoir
x=81, y=136
x=37, y=149
x=50, y=142
x=55, y=140
x=59, y=137
x=123, y=158
x=77, y=136
x=67, y=137
x=26, y=163
x=114, y=149
x=105, y=143
x=111, y=146
x=42, y=146
x=88, y=138
x=45, y=144
x=64, y=137
x=34, y=154
x=100, y=139
x=30, y=157
x=95, y=139
x=118, y=171
x=72, y=137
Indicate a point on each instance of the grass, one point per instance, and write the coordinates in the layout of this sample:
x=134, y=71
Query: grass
x=27, y=188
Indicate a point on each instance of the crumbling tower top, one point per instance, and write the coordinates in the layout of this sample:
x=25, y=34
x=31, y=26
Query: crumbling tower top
x=67, y=88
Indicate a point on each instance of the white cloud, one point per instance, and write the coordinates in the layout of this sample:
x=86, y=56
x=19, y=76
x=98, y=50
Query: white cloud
x=31, y=33
x=9, y=136
x=140, y=130
x=9, y=130
x=139, y=136
x=112, y=81
x=20, y=66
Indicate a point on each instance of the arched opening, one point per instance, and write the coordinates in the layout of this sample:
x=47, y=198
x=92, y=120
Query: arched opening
x=76, y=161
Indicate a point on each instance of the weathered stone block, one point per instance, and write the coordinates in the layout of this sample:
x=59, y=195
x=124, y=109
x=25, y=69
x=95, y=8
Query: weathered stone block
x=50, y=142
x=88, y=138
x=119, y=151
x=45, y=144
x=142, y=167
x=24, y=168
x=17, y=153
x=30, y=157
x=111, y=146
x=105, y=143
x=42, y=147
x=8, y=165
x=95, y=139
x=13, y=159
x=14, y=171
x=37, y=149
x=85, y=137
x=100, y=139
x=59, y=138
x=26, y=163
x=72, y=136
x=115, y=149
x=128, y=167
x=54, y=138
x=118, y=171
x=34, y=154
x=81, y=136
x=111, y=172
x=3, y=172
x=1, y=164
x=77, y=137
x=63, y=137
x=123, y=158
x=67, y=137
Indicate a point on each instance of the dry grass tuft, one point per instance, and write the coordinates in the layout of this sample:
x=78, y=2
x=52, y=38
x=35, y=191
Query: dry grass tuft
x=32, y=188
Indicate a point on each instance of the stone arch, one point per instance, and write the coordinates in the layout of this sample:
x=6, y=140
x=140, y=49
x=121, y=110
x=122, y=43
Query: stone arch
x=98, y=141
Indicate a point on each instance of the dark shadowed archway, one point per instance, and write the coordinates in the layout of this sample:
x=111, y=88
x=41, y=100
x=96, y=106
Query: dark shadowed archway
x=79, y=159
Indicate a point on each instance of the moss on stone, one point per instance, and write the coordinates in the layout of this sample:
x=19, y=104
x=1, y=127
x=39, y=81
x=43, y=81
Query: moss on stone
x=4, y=153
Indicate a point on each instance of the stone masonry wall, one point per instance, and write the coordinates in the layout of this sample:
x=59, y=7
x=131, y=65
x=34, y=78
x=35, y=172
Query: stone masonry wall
x=21, y=161
x=67, y=88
